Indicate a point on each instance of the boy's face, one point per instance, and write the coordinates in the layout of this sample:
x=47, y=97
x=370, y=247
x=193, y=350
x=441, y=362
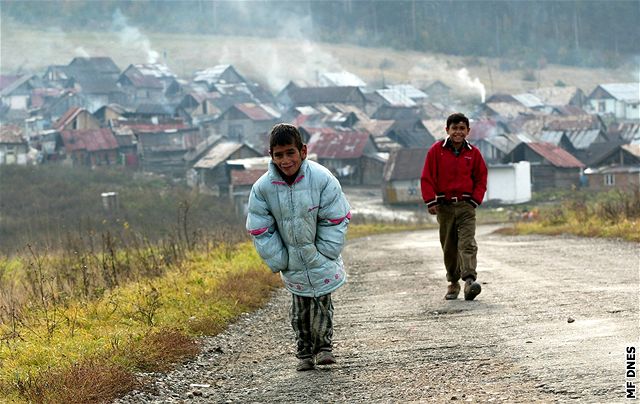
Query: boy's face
x=288, y=158
x=457, y=133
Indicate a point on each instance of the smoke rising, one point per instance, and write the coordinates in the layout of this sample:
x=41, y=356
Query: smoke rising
x=132, y=37
x=466, y=81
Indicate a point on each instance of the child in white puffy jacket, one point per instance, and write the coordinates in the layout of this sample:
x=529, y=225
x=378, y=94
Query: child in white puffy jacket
x=298, y=217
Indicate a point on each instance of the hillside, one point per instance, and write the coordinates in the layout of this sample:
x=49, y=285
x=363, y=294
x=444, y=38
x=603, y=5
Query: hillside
x=275, y=62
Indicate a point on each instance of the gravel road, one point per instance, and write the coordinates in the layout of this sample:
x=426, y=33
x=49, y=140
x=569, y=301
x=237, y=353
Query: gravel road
x=551, y=325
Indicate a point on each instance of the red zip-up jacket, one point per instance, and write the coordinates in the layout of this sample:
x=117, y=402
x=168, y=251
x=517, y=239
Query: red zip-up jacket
x=446, y=176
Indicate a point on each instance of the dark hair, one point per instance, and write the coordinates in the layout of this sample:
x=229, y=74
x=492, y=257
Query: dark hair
x=457, y=118
x=283, y=134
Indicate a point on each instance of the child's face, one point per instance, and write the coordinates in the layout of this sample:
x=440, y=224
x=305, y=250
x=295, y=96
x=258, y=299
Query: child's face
x=288, y=158
x=458, y=132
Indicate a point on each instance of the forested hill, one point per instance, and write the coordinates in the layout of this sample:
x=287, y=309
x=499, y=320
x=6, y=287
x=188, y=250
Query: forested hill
x=584, y=33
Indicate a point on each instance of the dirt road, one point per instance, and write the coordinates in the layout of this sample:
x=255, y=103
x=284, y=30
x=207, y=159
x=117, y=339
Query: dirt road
x=398, y=340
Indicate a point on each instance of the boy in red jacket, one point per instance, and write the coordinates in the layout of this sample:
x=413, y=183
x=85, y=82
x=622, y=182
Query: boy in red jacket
x=453, y=183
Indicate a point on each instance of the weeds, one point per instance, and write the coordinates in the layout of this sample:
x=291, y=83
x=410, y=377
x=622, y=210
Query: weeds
x=609, y=214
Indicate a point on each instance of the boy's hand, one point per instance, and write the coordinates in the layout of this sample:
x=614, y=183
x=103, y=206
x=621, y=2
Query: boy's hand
x=433, y=209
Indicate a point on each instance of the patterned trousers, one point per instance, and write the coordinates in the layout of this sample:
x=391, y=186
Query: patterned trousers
x=312, y=321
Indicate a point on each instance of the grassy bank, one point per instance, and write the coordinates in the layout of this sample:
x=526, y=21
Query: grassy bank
x=614, y=214
x=57, y=350
x=69, y=337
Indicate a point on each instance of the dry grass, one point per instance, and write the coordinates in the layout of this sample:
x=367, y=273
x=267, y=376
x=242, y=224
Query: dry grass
x=614, y=214
x=160, y=350
x=91, y=381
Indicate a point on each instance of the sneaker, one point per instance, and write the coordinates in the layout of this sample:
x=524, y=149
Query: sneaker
x=305, y=364
x=453, y=290
x=325, y=358
x=471, y=289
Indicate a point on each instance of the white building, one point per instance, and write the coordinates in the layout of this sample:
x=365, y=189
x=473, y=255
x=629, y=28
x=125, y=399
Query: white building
x=621, y=100
x=509, y=183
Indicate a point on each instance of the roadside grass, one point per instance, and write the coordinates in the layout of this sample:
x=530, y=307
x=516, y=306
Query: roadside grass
x=89, y=350
x=614, y=214
x=60, y=343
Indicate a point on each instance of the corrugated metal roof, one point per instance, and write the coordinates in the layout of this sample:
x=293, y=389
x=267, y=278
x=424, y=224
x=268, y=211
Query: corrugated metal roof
x=567, y=110
x=151, y=128
x=528, y=100
x=341, y=79
x=507, y=110
x=623, y=91
x=252, y=163
x=556, y=96
x=505, y=142
x=140, y=80
x=482, y=129
x=157, y=70
x=329, y=143
x=218, y=154
x=211, y=74
x=551, y=136
x=555, y=155
x=258, y=112
x=68, y=116
x=574, y=122
x=89, y=139
x=323, y=95
x=405, y=164
x=409, y=91
x=377, y=127
x=100, y=64
x=246, y=177
x=582, y=139
x=395, y=98
x=626, y=130
x=436, y=127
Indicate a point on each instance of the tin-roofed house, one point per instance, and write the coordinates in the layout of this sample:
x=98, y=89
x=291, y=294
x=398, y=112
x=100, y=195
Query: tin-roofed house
x=76, y=118
x=341, y=79
x=244, y=173
x=146, y=82
x=163, y=147
x=248, y=123
x=90, y=147
x=351, y=156
x=617, y=167
x=551, y=166
x=219, y=74
x=293, y=96
x=15, y=91
x=401, y=182
x=213, y=175
x=621, y=100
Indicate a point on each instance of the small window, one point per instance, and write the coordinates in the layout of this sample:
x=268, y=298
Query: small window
x=601, y=106
x=609, y=180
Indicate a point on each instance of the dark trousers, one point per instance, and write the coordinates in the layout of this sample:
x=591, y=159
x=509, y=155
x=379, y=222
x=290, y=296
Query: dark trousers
x=312, y=321
x=457, y=238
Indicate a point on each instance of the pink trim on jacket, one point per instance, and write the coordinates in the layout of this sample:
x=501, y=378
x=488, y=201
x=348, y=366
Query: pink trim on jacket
x=340, y=220
x=284, y=183
x=257, y=232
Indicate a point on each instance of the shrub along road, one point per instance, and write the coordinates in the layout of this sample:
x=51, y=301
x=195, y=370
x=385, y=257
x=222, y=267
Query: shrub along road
x=552, y=324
